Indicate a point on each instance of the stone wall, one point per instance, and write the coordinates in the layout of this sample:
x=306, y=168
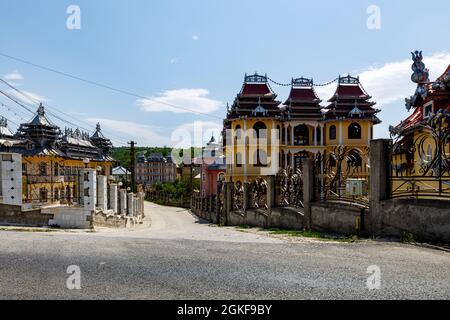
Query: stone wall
x=426, y=220
x=13, y=215
x=110, y=221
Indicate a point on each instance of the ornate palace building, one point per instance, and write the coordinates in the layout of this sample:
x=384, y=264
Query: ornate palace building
x=51, y=159
x=265, y=136
x=422, y=141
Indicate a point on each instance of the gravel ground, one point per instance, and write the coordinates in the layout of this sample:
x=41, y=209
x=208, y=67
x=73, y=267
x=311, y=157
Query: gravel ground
x=179, y=257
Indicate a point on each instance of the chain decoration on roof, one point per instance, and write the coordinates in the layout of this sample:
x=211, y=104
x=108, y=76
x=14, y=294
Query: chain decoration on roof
x=312, y=83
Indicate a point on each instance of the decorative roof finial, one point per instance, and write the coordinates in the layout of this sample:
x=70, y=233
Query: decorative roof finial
x=421, y=74
x=97, y=127
x=41, y=110
x=3, y=122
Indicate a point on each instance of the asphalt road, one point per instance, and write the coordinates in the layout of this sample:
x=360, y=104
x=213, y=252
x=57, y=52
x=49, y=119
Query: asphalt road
x=179, y=257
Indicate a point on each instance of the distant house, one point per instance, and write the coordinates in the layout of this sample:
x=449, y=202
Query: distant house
x=120, y=173
x=155, y=169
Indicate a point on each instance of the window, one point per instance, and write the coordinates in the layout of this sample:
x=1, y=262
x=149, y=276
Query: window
x=43, y=196
x=56, y=169
x=318, y=134
x=427, y=109
x=238, y=160
x=42, y=169
x=301, y=135
x=354, y=131
x=260, y=158
x=354, y=159
x=238, y=132
x=260, y=130
x=332, y=160
x=333, y=133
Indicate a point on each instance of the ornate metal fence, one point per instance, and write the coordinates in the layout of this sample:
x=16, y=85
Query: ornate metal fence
x=420, y=164
x=237, y=196
x=258, y=194
x=342, y=177
x=289, y=186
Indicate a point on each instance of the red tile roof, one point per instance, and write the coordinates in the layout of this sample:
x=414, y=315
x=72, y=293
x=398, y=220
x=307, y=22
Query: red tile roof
x=446, y=72
x=351, y=91
x=255, y=89
x=302, y=94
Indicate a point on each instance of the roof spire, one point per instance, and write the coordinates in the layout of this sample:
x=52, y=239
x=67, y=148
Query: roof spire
x=41, y=110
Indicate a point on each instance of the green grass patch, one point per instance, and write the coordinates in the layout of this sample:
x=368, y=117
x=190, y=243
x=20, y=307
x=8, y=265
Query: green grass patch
x=27, y=230
x=312, y=234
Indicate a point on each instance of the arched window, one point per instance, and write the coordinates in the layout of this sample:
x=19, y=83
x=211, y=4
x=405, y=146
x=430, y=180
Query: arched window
x=354, y=131
x=318, y=134
x=260, y=130
x=354, y=159
x=43, y=169
x=332, y=160
x=238, y=132
x=301, y=135
x=238, y=160
x=333, y=132
x=260, y=158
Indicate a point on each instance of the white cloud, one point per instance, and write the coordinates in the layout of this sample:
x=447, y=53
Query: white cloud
x=195, y=134
x=145, y=135
x=173, y=60
x=391, y=82
x=28, y=97
x=184, y=136
x=13, y=76
x=195, y=38
x=188, y=101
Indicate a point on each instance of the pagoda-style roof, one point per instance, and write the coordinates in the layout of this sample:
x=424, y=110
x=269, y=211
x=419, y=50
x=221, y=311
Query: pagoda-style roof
x=40, y=129
x=4, y=130
x=100, y=141
x=40, y=137
x=256, y=99
x=437, y=91
x=350, y=101
x=303, y=102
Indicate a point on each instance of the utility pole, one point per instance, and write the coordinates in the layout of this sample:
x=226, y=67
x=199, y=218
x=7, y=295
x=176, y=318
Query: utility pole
x=133, y=165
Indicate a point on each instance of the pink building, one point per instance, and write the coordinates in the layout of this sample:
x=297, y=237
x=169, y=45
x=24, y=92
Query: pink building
x=212, y=166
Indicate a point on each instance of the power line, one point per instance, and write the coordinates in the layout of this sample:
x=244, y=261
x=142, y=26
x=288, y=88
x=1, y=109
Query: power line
x=98, y=84
x=53, y=114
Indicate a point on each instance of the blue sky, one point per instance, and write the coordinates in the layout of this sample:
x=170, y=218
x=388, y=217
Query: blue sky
x=195, y=53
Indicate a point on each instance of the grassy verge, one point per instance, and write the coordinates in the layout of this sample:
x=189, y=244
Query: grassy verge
x=304, y=234
x=313, y=235
x=27, y=229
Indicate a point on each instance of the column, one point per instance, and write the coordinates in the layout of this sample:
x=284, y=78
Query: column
x=315, y=136
x=380, y=184
x=322, y=135
x=113, y=198
x=245, y=164
x=340, y=133
x=123, y=202
x=308, y=191
x=285, y=135
x=292, y=136
x=102, y=193
x=130, y=204
x=89, y=183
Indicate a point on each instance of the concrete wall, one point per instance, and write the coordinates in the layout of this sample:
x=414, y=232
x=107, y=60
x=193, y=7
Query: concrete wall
x=13, y=215
x=426, y=220
x=11, y=178
x=283, y=218
x=70, y=217
x=338, y=218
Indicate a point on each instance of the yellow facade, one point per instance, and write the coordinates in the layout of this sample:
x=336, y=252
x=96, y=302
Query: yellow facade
x=50, y=179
